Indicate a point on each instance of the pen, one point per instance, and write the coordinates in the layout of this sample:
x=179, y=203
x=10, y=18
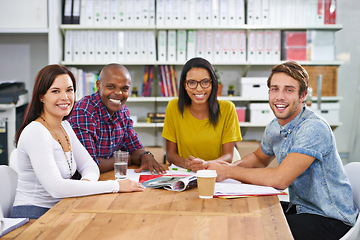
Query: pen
x=181, y=169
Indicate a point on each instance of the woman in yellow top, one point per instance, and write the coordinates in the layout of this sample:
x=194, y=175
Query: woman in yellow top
x=198, y=127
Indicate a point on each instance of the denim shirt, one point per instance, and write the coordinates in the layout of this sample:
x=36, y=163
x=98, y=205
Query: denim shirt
x=323, y=188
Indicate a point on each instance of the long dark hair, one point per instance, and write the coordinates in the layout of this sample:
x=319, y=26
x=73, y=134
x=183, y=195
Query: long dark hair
x=185, y=100
x=43, y=81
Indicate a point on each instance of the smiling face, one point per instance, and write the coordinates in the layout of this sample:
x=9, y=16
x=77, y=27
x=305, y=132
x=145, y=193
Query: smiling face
x=59, y=98
x=284, y=97
x=113, y=86
x=198, y=95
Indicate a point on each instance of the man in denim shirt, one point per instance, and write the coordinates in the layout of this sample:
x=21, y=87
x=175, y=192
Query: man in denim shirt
x=321, y=204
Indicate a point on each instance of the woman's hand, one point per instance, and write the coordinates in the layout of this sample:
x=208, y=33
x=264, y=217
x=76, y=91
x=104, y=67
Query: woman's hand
x=128, y=185
x=194, y=164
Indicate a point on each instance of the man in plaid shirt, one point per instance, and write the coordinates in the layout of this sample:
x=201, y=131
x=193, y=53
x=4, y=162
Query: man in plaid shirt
x=102, y=122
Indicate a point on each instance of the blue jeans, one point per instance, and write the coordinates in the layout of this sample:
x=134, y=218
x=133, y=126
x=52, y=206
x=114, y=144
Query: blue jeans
x=27, y=211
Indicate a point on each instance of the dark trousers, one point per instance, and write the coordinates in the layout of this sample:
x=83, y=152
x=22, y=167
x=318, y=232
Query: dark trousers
x=311, y=226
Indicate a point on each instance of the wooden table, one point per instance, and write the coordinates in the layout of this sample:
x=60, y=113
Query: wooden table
x=160, y=214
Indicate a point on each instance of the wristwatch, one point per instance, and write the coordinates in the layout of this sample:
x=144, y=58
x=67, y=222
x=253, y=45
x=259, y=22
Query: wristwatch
x=146, y=152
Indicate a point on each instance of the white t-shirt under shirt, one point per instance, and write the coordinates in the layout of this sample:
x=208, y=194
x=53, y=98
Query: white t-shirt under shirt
x=44, y=173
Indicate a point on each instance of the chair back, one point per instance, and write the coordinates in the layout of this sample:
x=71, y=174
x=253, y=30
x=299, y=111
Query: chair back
x=13, y=163
x=236, y=155
x=8, y=183
x=353, y=172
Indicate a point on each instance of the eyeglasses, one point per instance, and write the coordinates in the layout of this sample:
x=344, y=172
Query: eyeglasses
x=192, y=84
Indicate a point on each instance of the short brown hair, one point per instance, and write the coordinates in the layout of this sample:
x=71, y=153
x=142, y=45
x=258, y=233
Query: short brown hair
x=294, y=70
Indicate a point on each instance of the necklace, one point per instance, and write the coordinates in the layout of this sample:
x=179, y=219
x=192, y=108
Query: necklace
x=58, y=139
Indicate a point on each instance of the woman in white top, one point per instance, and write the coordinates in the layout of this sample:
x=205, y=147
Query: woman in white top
x=49, y=153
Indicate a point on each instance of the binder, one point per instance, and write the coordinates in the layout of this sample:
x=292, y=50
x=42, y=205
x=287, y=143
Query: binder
x=265, y=12
x=276, y=44
x=311, y=9
x=168, y=13
x=330, y=12
x=239, y=12
x=151, y=46
x=76, y=46
x=75, y=18
x=209, y=45
x=192, y=12
x=181, y=46
x=200, y=43
x=114, y=13
x=162, y=46
x=231, y=13
x=171, y=57
x=122, y=12
x=151, y=14
x=217, y=46
x=121, y=51
x=145, y=8
x=105, y=13
x=268, y=46
x=176, y=13
x=225, y=56
x=333, y=12
x=215, y=12
x=184, y=11
x=98, y=45
x=68, y=47
x=320, y=12
x=223, y=12
x=113, y=46
x=199, y=13
x=134, y=45
x=234, y=46
x=143, y=46
x=97, y=12
x=160, y=13
x=129, y=13
x=257, y=12
x=83, y=46
x=191, y=44
x=250, y=12
x=105, y=46
x=91, y=46
x=67, y=12
x=251, y=46
x=137, y=12
x=260, y=46
x=242, y=45
x=83, y=12
x=89, y=12
x=207, y=16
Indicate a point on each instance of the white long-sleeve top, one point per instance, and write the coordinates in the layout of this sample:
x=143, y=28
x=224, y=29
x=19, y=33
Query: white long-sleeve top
x=44, y=174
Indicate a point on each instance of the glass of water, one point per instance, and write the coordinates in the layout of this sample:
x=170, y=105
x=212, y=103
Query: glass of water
x=120, y=164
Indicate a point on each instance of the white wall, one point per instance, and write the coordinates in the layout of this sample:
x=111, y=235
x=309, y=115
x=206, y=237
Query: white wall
x=348, y=50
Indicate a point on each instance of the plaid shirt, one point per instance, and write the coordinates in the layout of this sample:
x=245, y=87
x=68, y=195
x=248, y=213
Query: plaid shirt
x=100, y=133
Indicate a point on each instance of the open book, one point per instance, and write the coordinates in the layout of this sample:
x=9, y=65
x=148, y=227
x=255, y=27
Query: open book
x=172, y=183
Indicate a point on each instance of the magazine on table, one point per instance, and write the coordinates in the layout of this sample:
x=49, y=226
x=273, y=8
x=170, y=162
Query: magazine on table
x=172, y=183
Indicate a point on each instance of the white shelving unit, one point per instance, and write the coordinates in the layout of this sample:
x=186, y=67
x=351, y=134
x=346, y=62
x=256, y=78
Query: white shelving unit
x=156, y=103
